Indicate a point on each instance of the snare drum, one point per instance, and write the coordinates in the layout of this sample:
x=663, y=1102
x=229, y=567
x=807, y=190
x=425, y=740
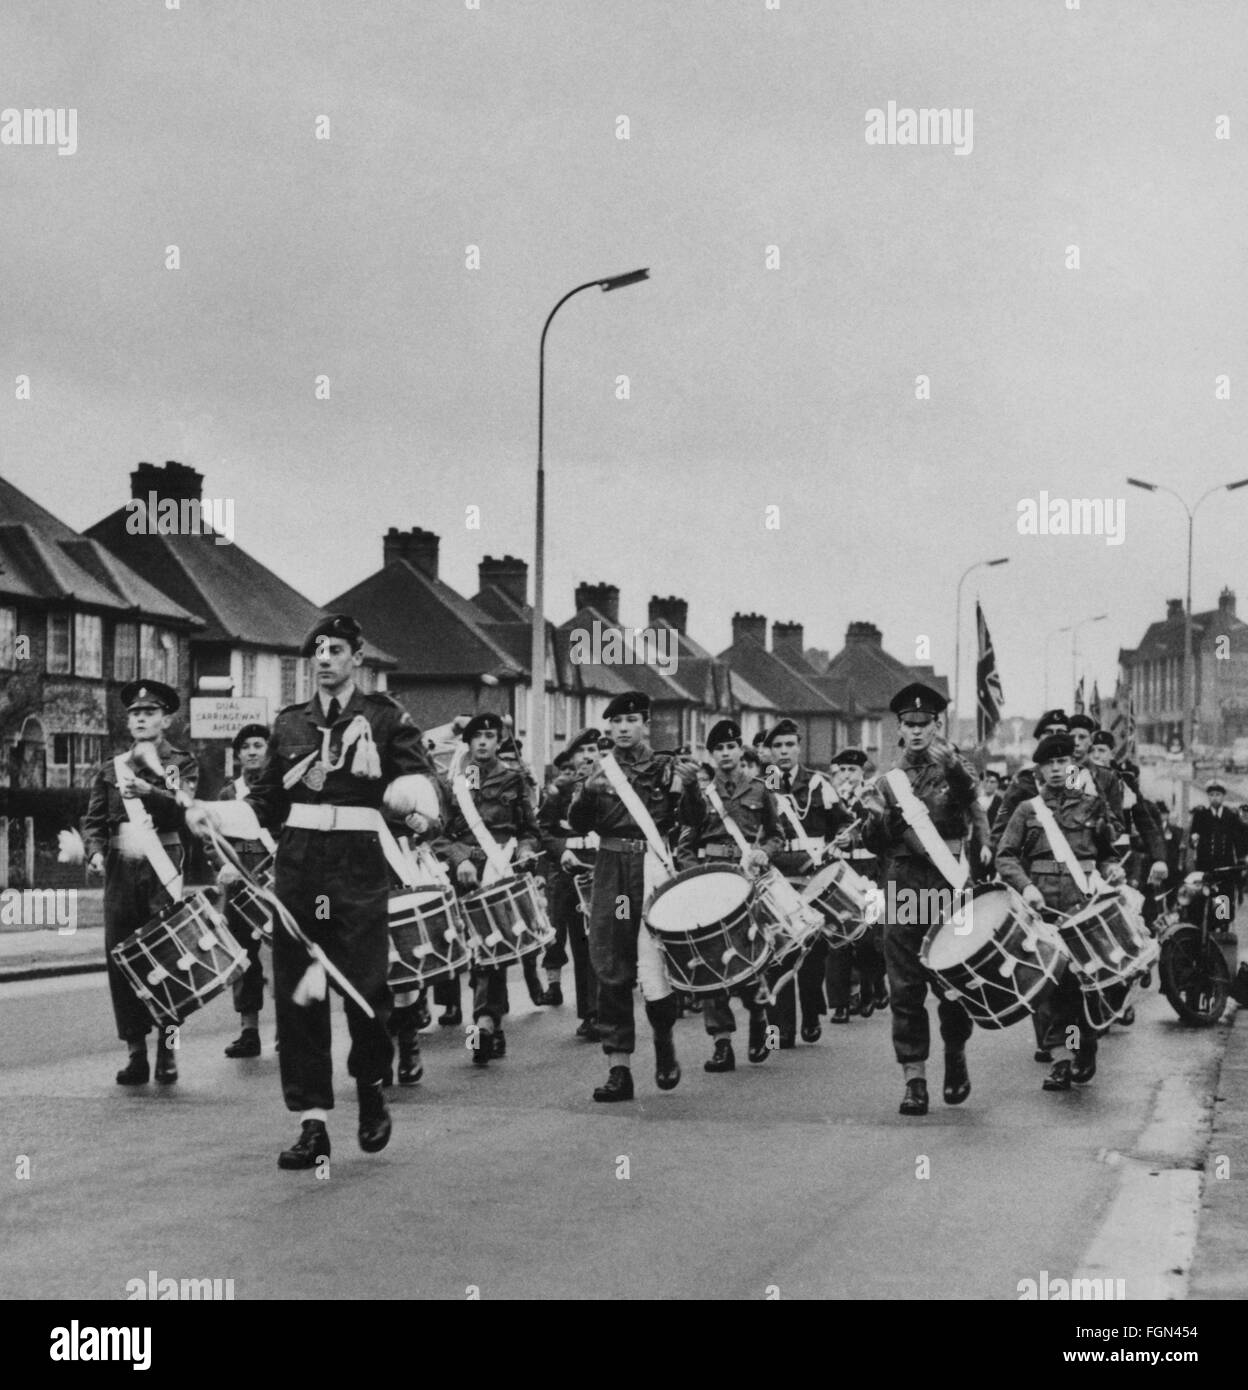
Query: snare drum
x=842, y=897
x=245, y=908
x=703, y=923
x=506, y=921
x=426, y=938
x=1108, y=945
x=995, y=955
x=178, y=962
x=792, y=925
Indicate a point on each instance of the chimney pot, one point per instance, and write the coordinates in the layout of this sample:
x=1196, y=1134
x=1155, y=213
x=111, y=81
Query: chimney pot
x=175, y=480
x=509, y=574
x=671, y=610
x=753, y=625
x=418, y=547
x=604, y=597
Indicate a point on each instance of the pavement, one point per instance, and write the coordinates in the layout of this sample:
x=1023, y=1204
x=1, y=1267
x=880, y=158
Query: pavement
x=794, y=1179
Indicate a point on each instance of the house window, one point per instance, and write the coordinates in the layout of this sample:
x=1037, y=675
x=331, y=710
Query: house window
x=125, y=652
x=8, y=639
x=249, y=673
x=290, y=680
x=365, y=678
x=158, y=654
x=88, y=645
x=59, y=652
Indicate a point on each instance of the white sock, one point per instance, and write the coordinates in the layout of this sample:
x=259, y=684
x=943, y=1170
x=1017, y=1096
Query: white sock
x=914, y=1071
x=552, y=976
x=250, y=1020
x=314, y=1114
x=619, y=1059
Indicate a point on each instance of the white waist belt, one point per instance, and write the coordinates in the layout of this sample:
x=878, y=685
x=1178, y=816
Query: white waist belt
x=804, y=846
x=306, y=817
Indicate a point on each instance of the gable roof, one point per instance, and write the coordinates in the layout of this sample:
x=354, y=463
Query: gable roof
x=786, y=688
x=870, y=676
x=1164, y=638
x=662, y=688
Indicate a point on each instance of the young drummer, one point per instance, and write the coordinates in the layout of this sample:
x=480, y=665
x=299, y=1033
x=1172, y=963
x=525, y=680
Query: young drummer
x=1030, y=860
x=140, y=866
x=706, y=837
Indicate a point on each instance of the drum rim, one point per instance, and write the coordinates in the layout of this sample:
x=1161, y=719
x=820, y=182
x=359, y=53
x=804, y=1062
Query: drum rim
x=688, y=875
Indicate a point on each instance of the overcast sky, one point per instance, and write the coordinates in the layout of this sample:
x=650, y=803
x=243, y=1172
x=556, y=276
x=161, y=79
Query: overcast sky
x=750, y=387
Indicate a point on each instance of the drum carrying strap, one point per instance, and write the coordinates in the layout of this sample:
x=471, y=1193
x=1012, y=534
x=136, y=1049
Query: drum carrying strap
x=497, y=858
x=730, y=825
x=162, y=866
x=1062, y=851
x=658, y=865
x=919, y=820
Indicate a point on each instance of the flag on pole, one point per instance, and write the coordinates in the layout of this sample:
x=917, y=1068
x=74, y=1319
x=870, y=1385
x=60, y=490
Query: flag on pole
x=1094, y=709
x=989, y=697
x=1123, y=726
x=1079, y=697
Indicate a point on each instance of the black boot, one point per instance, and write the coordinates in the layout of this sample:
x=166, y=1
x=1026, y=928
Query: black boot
x=1059, y=1078
x=553, y=995
x=166, y=1065
x=247, y=1044
x=914, y=1102
x=411, y=1068
x=1084, y=1068
x=483, y=1048
x=957, y=1078
x=312, y=1144
x=451, y=1017
x=722, y=1059
x=136, y=1072
x=619, y=1086
x=758, y=1036
x=662, y=1016
x=374, y=1132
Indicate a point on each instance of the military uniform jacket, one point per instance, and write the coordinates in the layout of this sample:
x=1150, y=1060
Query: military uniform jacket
x=947, y=790
x=818, y=808
x=106, y=809
x=746, y=800
x=597, y=806
x=1084, y=820
x=555, y=830
x=299, y=730
x=1220, y=842
x=237, y=790
x=501, y=797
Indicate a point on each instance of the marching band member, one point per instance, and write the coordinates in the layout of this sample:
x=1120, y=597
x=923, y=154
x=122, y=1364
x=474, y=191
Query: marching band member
x=251, y=748
x=740, y=796
x=490, y=802
x=845, y=823
x=806, y=802
x=1031, y=858
x=621, y=949
x=130, y=836
x=329, y=764
x=1023, y=784
x=918, y=817
x=570, y=856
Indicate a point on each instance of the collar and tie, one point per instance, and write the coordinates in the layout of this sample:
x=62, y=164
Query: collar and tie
x=334, y=711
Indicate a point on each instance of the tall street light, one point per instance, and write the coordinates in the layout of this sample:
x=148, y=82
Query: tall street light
x=1189, y=668
x=1074, y=649
x=537, y=650
x=957, y=640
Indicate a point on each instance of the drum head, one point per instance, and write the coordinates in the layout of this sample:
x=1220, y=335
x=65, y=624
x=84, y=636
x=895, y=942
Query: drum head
x=951, y=942
x=699, y=897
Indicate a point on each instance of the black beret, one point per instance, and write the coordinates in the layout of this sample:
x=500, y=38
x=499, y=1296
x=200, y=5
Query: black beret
x=250, y=731
x=783, y=728
x=917, y=698
x=482, y=723
x=726, y=731
x=850, y=757
x=1047, y=720
x=335, y=625
x=1103, y=739
x=152, y=694
x=759, y=738
x=1054, y=746
x=510, y=745
x=1082, y=721
x=631, y=702
x=563, y=758
x=1215, y=786
x=605, y=744
x=583, y=740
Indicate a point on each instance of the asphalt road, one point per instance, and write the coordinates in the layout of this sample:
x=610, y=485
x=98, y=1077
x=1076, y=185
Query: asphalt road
x=795, y=1179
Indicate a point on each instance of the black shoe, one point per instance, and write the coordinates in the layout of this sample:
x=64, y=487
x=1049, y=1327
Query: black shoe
x=166, y=1066
x=881, y=997
x=423, y=1017
x=374, y=1132
x=1128, y=1017
x=1042, y=1054
x=758, y=1037
x=247, y=1044
x=866, y=1006
x=855, y=1003
x=136, y=1072
x=312, y=1144
x=723, y=1058
x=787, y=1042
x=957, y=1078
x=451, y=1017
x=619, y=1086
x=552, y=997
x=840, y=1015
x=411, y=1067
x=812, y=1032
x=666, y=1067
x=1084, y=1068
x=500, y=1043
x=588, y=1030
x=1059, y=1078
x=483, y=1049
x=914, y=1102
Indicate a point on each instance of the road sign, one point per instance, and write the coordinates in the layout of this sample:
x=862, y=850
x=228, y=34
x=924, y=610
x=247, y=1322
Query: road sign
x=218, y=717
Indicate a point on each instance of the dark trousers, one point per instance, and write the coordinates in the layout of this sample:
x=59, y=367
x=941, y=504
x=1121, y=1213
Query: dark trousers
x=717, y=1007
x=489, y=993
x=132, y=897
x=555, y=956
x=808, y=988
x=619, y=880
x=249, y=987
x=908, y=986
x=336, y=886
x=569, y=922
x=864, y=956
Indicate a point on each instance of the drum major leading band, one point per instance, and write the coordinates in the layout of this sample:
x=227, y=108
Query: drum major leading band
x=392, y=867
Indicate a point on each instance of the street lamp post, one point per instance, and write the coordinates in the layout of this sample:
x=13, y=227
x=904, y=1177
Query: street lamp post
x=1189, y=666
x=537, y=649
x=957, y=641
